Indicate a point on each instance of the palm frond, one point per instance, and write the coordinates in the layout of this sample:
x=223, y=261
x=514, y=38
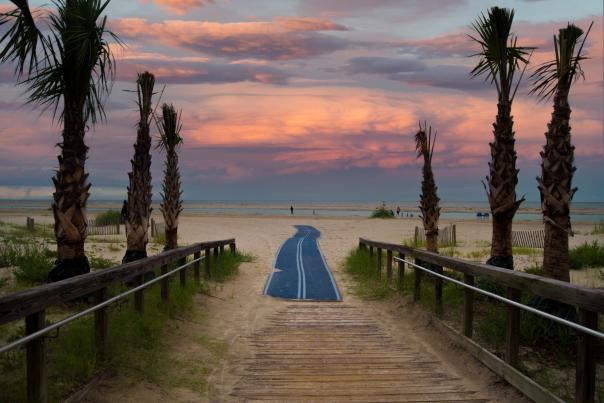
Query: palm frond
x=500, y=55
x=425, y=142
x=21, y=40
x=169, y=126
x=566, y=67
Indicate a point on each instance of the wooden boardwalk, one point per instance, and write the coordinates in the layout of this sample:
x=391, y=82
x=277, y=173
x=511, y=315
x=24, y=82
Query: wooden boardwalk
x=334, y=352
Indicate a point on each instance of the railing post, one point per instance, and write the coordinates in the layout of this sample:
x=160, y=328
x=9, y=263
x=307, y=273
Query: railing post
x=401, y=269
x=378, y=264
x=389, y=264
x=196, y=256
x=586, y=359
x=371, y=251
x=233, y=248
x=417, y=274
x=468, y=307
x=165, y=285
x=183, y=272
x=37, y=371
x=100, y=322
x=221, y=249
x=207, y=263
x=216, y=252
x=139, y=296
x=512, y=336
x=438, y=290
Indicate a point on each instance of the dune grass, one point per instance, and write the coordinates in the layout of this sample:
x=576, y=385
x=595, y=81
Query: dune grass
x=382, y=212
x=109, y=217
x=136, y=344
x=587, y=255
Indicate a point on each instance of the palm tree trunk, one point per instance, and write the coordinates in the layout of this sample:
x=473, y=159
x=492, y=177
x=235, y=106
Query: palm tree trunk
x=502, y=180
x=70, y=197
x=556, y=189
x=171, y=206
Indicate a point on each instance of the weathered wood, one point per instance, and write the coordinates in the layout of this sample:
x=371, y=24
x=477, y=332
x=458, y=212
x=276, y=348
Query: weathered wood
x=206, y=265
x=389, y=264
x=221, y=249
x=37, y=370
x=585, y=386
x=183, y=272
x=165, y=284
x=438, y=291
x=512, y=329
x=216, y=253
x=587, y=298
x=20, y=304
x=196, y=256
x=401, y=269
x=468, y=307
x=378, y=264
x=139, y=296
x=417, y=285
x=100, y=322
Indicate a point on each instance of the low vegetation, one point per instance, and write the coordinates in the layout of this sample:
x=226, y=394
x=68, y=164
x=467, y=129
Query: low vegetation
x=109, y=217
x=382, y=212
x=587, y=255
x=598, y=229
x=367, y=284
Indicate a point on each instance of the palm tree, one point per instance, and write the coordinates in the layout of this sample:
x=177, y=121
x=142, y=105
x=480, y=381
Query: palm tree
x=500, y=60
x=555, y=79
x=70, y=70
x=169, y=128
x=424, y=144
x=139, y=189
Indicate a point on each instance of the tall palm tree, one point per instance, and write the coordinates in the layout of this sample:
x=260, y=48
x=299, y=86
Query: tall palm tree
x=555, y=79
x=171, y=206
x=139, y=189
x=70, y=70
x=500, y=60
x=424, y=144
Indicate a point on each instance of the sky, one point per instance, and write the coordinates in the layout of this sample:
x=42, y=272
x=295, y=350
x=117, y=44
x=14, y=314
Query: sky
x=315, y=100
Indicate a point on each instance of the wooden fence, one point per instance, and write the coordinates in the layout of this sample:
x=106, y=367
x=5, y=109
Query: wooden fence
x=588, y=301
x=157, y=228
x=446, y=236
x=95, y=229
x=528, y=239
x=32, y=304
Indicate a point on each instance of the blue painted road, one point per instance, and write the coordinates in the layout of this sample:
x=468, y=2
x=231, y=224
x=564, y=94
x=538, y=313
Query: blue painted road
x=300, y=270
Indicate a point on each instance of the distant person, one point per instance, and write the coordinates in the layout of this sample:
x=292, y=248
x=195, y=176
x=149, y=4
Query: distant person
x=291, y=210
x=398, y=211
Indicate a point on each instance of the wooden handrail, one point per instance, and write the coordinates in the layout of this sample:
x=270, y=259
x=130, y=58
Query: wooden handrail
x=582, y=297
x=23, y=303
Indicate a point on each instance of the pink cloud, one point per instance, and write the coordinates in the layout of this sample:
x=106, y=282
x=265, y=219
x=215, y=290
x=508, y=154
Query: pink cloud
x=179, y=7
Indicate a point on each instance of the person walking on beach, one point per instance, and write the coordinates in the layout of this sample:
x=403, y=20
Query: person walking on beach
x=398, y=211
x=291, y=209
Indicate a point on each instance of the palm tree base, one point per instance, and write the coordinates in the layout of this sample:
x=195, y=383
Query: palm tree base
x=505, y=262
x=68, y=268
x=132, y=255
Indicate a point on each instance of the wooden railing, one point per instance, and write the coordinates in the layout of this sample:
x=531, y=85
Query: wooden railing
x=589, y=302
x=33, y=303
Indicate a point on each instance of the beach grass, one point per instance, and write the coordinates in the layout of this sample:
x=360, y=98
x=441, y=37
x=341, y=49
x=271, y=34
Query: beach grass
x=109, y=217
x=227, y=265
x=586, y=255
x=136, y=348
x=382, y=212
x=367, y=284
x=598, y=229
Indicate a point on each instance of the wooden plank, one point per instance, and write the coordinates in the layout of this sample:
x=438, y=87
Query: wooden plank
x=512, y=329
x=587, y=298
x=585, y=386
x=196, y=256
x=37, y=370
x=389, y=264
x=100, y=323
x=20, y=304
x=468, y=307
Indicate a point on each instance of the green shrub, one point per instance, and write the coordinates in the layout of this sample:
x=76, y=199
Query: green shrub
x=587, y=255
x=382, y=212
x=159, y=239
x=227, y=265
x=109, y=217
x=33, y=263
x=362, y=268
x=99, y=263
x=536, y=270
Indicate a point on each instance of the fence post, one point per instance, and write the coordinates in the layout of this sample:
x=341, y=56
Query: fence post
x=165, y=284
x=196, y=256
x=371, y=251
x=152, y=228
x=586, y=359
x=183, y=272
x=100, y=322
x=389, y=264
x=233, y=248
x=417, y=273
x=401, y=269
x=37, y=371
x=139, y=296
x=512, y=336
x=468, y=307
x=415, y=236
x=379, y=262
x=438, y=290
x=454, y=230
x=216, y=252
x=207, y=263
x=117, y=226
x=221, y=249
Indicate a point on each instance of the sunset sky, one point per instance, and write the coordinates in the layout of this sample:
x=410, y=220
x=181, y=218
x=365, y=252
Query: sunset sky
x=315, y=100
